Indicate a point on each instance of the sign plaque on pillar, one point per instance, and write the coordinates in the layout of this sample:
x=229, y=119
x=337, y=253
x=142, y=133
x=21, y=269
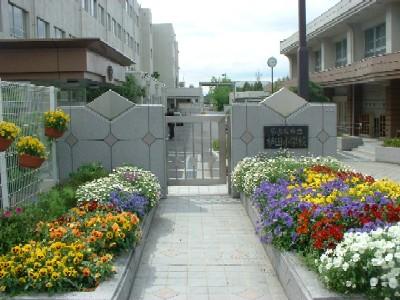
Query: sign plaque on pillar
x=285, y=137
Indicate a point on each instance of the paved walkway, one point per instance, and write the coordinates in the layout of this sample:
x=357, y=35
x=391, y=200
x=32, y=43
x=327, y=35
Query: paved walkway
x=378, y=170
x=204, y=248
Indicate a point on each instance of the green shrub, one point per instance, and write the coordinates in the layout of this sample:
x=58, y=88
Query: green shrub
x=392, y=143
x=215, y=145
x=85, y=174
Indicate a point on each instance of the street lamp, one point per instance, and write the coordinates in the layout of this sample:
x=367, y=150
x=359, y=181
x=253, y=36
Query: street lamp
x=272, y=61
x=302, y=53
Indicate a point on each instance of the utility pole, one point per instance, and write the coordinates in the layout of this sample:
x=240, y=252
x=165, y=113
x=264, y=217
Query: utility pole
x=302, y=60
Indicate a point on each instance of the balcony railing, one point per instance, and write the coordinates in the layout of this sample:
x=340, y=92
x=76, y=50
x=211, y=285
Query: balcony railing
x=377, y=68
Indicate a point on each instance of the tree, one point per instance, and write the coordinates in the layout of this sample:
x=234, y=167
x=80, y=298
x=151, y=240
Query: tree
x=316, y=93
x=219, y=94
x=246, y=87
x=279, y=83
x=155, y=75
x=129, y=89
x=258, y=86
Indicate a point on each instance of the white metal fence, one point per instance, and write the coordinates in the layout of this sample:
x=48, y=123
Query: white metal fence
x=24, y=105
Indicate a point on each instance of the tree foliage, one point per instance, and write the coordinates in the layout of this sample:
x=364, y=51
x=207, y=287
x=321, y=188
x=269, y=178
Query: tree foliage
x=130, y=89
x=219, y=95
x=316, y=93
x=257, y=86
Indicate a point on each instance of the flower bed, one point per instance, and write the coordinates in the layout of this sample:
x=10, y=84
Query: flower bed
x=311, y=209
x=75, y=251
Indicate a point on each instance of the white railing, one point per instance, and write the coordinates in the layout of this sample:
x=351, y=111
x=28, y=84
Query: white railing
x=341, y=11
x=24, y=104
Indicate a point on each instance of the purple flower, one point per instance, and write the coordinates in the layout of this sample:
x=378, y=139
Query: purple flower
x=129, y=202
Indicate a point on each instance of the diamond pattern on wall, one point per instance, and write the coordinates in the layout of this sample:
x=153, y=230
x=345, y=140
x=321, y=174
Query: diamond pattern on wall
x=247, y=137
x=110, y=105
x=323, y=136
x=149, y=138
x=71, y=140
x=284, y=102
x=110, y=139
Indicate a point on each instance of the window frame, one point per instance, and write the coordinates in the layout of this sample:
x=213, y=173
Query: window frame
x=46, y=28
x=23, y=31
x=371, y=41
x=318, y=61
x=57, y=29
x=341, y=53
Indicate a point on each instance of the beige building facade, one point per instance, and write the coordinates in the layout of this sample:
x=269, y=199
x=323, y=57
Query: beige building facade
x=354, y=55
x=121, y=24
x=166, y=53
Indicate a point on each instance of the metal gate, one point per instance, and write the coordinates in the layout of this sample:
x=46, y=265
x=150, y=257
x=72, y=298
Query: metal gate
x=196, y=150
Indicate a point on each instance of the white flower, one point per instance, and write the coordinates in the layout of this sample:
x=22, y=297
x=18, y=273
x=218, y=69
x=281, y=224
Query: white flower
x=345, y=266
x=348, y=283
x=373, y=281
x=393, y=283
x=389, y=257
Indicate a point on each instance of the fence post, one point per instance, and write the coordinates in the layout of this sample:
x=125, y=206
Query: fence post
x=3, y=163
x=53, y=106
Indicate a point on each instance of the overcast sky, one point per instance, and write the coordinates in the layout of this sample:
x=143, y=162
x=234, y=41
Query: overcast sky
x=231, y=36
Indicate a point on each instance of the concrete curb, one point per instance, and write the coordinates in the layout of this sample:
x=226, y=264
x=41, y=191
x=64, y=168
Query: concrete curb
x=116, y=288
x=298, y=282
x=387, y=154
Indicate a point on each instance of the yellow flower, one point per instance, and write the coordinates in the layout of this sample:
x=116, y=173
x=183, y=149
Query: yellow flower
x=55, y=275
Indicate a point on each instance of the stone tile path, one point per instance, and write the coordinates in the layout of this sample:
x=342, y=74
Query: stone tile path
x=198, y=190
x=204, y=248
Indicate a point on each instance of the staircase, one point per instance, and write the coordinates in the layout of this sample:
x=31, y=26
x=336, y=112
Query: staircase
x=364, y=152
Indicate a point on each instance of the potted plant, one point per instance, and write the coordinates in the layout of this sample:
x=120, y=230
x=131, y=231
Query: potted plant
x=55, y=123
x=32, y=152
x=8, y=133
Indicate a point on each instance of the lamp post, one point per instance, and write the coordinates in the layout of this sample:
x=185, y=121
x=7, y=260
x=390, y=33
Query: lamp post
x=303, y=53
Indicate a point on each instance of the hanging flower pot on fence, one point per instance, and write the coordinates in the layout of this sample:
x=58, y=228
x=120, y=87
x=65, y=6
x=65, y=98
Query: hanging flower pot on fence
x=55, y=123
x=32, y=152
x=4, y=144
x=8, y=132
x=53, y=133
x=30, y=161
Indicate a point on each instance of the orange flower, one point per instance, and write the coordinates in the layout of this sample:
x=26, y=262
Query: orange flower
x=134, y=219
x=115, y=227
x=86, y=272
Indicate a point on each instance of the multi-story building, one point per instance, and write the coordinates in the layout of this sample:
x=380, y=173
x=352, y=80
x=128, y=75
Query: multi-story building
x=146, y=41
x=121, y=24
x=114, y=22
x=165, y=53
x=355, y=56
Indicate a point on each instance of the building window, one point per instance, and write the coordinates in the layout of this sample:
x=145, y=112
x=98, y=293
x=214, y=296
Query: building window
x=317, y=56
x=102, y=15
x=375, y=41
x=137, y=20
x=93, y=8
x=42, y=29
x=114, y=25
x=17, y=21
x=341, y=53
x=59, y=33
x=85, y=5
x=137, y=48
x=109, y=22
x=126, y=5
x=119, y=31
